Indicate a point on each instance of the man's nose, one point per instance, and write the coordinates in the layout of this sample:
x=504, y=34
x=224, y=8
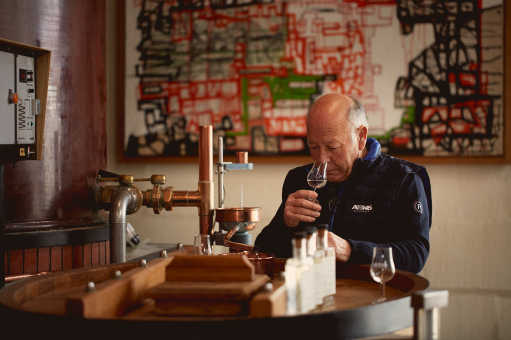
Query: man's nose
x=323, y=156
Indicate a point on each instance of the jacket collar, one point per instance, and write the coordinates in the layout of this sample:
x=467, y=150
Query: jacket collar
x=374, y=148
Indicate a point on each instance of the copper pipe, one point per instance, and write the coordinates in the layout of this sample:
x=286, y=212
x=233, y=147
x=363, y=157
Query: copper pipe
x=205, y=153
x=242, y=157
x=180, y=198
x=206, y=224
x=238, y=246
x=206, y=179
x=195, y=198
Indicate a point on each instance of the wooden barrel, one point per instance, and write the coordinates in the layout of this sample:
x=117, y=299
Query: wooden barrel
x=45, y=301
x=50, y=217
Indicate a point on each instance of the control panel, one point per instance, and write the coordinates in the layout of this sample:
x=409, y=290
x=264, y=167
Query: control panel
x=22, y=100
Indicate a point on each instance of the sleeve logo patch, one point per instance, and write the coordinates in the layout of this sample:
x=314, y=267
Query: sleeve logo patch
x=417, y=206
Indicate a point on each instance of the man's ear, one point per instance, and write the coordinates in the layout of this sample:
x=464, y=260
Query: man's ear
x=362, y=137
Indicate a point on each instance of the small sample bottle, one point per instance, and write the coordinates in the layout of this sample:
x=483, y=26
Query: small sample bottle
x=299, y=277
x=328, y=261
x=317, y=256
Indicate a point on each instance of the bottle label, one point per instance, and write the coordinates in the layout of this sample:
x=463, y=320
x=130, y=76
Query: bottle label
x=307, y=289
x=291, y=287
x=319, y=281
x=330, y=275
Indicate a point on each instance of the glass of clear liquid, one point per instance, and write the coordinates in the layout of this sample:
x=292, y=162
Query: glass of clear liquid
x=382, y=269
x=317, y=178
x=202, y=245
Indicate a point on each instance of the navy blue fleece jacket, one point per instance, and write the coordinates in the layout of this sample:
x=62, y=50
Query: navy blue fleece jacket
x=385, y=202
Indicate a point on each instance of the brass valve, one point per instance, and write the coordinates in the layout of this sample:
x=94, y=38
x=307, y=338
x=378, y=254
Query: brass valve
x=128, y=179
x=158, y=198
x=157, y=179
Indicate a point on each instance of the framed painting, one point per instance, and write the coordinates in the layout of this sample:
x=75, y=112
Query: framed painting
x=430, y=75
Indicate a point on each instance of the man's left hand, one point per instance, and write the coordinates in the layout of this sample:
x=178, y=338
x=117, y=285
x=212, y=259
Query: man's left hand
x=341, y=246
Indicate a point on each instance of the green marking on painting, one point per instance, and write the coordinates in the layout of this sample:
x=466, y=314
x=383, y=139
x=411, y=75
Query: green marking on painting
x=244, y=104
x=297, y=87
x=408, y=116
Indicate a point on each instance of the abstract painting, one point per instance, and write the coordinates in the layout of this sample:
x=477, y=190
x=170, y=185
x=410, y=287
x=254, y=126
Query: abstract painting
x=429, y=73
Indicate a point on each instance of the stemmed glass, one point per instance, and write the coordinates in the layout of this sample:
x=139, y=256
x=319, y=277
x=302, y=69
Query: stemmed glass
x=317, y=178
x=202, y=245
x=382, y=269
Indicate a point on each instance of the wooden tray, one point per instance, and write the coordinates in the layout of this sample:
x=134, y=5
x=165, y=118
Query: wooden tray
x=41, y=303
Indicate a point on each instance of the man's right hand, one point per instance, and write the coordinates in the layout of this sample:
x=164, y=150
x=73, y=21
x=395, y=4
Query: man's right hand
x=299, y=210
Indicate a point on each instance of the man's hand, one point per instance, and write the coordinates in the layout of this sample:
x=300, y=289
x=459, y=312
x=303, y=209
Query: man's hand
x=299, y=210
x=341, y=246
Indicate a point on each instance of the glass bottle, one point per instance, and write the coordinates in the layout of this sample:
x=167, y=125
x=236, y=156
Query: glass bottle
x=317, y=256
x=299, y=277
x=328, y=261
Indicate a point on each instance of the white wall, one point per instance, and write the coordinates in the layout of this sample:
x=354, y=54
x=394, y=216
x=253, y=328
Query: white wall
x=470, y=236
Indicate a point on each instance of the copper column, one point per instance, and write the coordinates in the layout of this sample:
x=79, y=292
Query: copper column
x=206, y=179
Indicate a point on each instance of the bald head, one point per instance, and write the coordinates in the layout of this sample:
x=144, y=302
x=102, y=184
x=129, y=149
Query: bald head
x=336, y=134
x=341, y=109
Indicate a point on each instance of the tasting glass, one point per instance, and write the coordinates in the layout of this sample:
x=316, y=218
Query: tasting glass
x=382, y=268
x=202, y=245
x=317, y=178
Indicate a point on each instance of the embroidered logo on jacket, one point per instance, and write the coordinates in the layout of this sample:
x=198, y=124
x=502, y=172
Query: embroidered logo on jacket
x=417, y=206
x=362, y=208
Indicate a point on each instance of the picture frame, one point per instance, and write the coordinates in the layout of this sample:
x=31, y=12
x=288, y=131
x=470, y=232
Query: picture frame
x=122, y=157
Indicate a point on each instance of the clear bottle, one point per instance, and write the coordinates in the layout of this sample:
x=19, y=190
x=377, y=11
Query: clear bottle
x=328, y=261
x=317, y=256
x=299, y=277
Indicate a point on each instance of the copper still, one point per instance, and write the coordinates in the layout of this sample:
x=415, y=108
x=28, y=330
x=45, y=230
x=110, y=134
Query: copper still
x=51, y=222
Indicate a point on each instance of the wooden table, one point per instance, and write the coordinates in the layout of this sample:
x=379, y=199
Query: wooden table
x=36, y=305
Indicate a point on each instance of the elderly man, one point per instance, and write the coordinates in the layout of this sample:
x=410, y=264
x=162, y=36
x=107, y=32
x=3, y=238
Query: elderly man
x=370, y=199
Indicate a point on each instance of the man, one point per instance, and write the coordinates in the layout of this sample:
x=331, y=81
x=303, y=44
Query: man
x=370, y=199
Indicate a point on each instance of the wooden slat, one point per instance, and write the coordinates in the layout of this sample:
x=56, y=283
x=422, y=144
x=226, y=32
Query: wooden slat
x=102, y=254
x=95, y=254
x=56, y=258
x=30, y=261
x=16, y=262
x=43, y=259
x=86, y=255
x=107, y=251
x=201, y=307
x=67, y=257
x=270, y=304
x=117, y=297
x=77, y=257
x=211, y=269
x=200, y=290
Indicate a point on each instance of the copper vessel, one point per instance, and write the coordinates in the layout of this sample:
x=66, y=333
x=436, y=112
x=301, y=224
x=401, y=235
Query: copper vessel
x=242, y=219
x=236, y=220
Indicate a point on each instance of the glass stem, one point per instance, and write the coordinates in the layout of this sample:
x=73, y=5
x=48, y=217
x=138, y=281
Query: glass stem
x=314, y=189
x=382, y=291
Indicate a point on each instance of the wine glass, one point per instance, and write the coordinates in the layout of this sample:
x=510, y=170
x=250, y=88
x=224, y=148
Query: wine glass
x=317, y=178
x=202, y=245
x=382, y=268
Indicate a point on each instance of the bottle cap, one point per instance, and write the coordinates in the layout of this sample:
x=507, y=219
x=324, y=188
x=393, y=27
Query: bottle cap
x=299, y=234
x=310, y=230
x=322, y=226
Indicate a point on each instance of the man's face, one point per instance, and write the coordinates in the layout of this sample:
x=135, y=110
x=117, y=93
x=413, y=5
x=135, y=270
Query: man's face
x=332, y=139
